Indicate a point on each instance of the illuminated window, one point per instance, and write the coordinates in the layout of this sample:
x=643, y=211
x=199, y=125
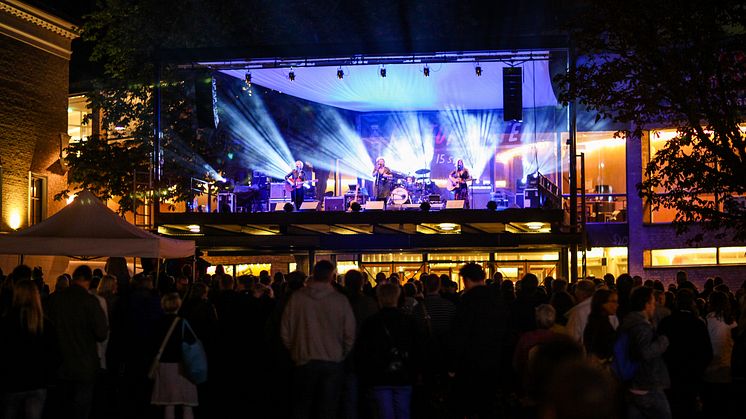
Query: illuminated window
x=78, y=127
x=600, y=261
x=681, y=257
x=515, y=256
x=392, y=257
x=37, y=199
x=732, y=255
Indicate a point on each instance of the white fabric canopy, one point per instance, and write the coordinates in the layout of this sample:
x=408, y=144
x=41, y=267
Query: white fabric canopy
x=86, y=227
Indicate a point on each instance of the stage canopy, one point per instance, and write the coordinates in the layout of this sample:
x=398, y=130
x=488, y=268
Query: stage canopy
x=452, y=84
x=87, y=228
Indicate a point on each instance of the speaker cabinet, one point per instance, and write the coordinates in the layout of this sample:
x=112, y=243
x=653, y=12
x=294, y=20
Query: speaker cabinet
x=374, y=206
x=455, y=204
x=334, y=203
x=513, y=93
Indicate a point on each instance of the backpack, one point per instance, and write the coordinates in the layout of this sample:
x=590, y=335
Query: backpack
x=622, y=365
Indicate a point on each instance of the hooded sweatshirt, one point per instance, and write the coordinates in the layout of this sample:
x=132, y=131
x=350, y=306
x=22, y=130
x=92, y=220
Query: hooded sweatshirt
x=318, y=324
x=646, y=348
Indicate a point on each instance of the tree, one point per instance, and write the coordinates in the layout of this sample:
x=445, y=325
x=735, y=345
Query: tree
x=677, y=64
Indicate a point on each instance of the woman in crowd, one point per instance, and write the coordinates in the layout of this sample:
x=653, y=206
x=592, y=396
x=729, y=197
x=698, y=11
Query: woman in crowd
x=171, y=387
x=599, y=334
x=720, y=325
x=28, y=354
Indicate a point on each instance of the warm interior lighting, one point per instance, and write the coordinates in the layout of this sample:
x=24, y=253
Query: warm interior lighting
x=501, y=183
x=14, y=221
x=71, y=198
x=447, y=226
x=194, y=228
x=534, y=225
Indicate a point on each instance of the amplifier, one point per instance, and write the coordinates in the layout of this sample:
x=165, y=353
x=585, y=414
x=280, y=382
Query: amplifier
x=334, y=203
x=277, y=190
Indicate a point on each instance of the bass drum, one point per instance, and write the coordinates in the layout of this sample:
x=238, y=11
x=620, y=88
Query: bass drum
x=399, y=196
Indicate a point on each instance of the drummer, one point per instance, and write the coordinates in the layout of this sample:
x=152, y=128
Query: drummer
x=382, y=176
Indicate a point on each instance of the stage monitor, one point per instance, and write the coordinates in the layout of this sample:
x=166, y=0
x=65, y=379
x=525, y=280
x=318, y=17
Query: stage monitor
x=374, y=206
x=455, y=204
x=309, y=206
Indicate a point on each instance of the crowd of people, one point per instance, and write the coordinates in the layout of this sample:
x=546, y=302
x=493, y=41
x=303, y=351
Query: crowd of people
x=102, y=345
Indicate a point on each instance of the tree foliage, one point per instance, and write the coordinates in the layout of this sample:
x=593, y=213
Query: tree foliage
x=673, y=64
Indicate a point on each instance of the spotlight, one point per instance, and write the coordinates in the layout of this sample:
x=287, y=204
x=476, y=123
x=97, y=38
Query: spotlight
x=492, y=206
x=291, y=75
x=383, y=71
x=340, y=74
x=478, y=70
x=288, y=207
x=247, y=77
x=355, y=206
x=425, y=206
x=426, y=71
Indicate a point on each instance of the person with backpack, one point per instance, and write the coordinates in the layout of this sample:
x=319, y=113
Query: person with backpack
x=646, y=376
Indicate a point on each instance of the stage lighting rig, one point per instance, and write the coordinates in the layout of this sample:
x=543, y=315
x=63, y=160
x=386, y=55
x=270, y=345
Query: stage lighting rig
x=247, y=78
x=478, y=70
x=340, y=73
x=291, y=74
x=426, y=71
x=383, y=72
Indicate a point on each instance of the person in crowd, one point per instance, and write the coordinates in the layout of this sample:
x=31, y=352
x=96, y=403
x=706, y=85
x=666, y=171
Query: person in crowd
x=544, y=362
x=689, y=352
x=562, y=302
x=182, y=286
x=171, y=388
x=545, y=315
x=624, y=285
x=62, y=283
x=134, y=326
x=577, y=317
x=28, y=354
x=576, y=390
x=363, y=307
x=507, y=291
x=645, y=392
x=478, y=335
x=709, y=287
x=409, y=303
x=661, y=311
x=388, y=355
x=318, y=328
x=523, y=309
x=80, y=323
x=599, y=334
x=717, y=376
x=609, y=281
x=201, y=315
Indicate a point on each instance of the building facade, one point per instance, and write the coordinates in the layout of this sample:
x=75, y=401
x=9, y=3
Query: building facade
x=35, y=50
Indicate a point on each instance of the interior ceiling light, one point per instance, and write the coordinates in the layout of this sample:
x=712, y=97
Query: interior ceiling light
x=447, y=226
x=194, y=228
x=291, y=75
x=478, y=70
x=340, y=73
x=426, y=71
x=534, y=225
x=383, y=71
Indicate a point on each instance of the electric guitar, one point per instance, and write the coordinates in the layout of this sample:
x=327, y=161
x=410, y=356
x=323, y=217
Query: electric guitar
x=357, y=192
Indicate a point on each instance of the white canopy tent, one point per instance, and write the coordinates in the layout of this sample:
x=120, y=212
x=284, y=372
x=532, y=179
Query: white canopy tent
x=87, y=228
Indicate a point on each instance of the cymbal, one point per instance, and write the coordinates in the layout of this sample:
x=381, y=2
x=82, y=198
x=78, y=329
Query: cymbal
x=422, y=171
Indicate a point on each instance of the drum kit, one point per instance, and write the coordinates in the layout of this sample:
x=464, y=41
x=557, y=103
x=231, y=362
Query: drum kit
x=412, y=189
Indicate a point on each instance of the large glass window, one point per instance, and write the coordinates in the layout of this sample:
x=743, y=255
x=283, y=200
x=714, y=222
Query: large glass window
x=600, y=261
x=695, y=257
x=605, y=175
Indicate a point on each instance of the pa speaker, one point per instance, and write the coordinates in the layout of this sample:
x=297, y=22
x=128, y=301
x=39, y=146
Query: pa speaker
x=455, y=204
x=512, y=93
x=309, y=206
x=374, y=206
x=204, y=98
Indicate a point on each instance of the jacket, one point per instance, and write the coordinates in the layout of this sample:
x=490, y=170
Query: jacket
x=27, y=362
x=318, y=325
x=80, y=323
x=646, y=348
x=383, y=333
x=689, y=351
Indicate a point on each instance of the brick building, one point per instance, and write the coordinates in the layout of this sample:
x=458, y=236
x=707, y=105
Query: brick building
x=35, y=50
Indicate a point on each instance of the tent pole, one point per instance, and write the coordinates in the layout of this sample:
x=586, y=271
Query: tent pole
x=134, y=265
x=194, y=267
x=157, y=272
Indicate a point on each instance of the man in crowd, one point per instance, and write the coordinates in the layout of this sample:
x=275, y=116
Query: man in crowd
x=477, y=340
x=80, y=323
x=645, y=390
x=318, y=328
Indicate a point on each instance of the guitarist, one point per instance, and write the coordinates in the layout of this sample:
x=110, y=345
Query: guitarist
x=294, y=182
x=459, y=178
x=382, y=176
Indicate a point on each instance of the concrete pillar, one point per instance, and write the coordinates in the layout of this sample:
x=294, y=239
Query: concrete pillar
x=635, y=208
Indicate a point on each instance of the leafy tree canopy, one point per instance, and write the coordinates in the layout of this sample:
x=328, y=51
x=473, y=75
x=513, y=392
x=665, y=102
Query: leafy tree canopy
x=677, y=64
